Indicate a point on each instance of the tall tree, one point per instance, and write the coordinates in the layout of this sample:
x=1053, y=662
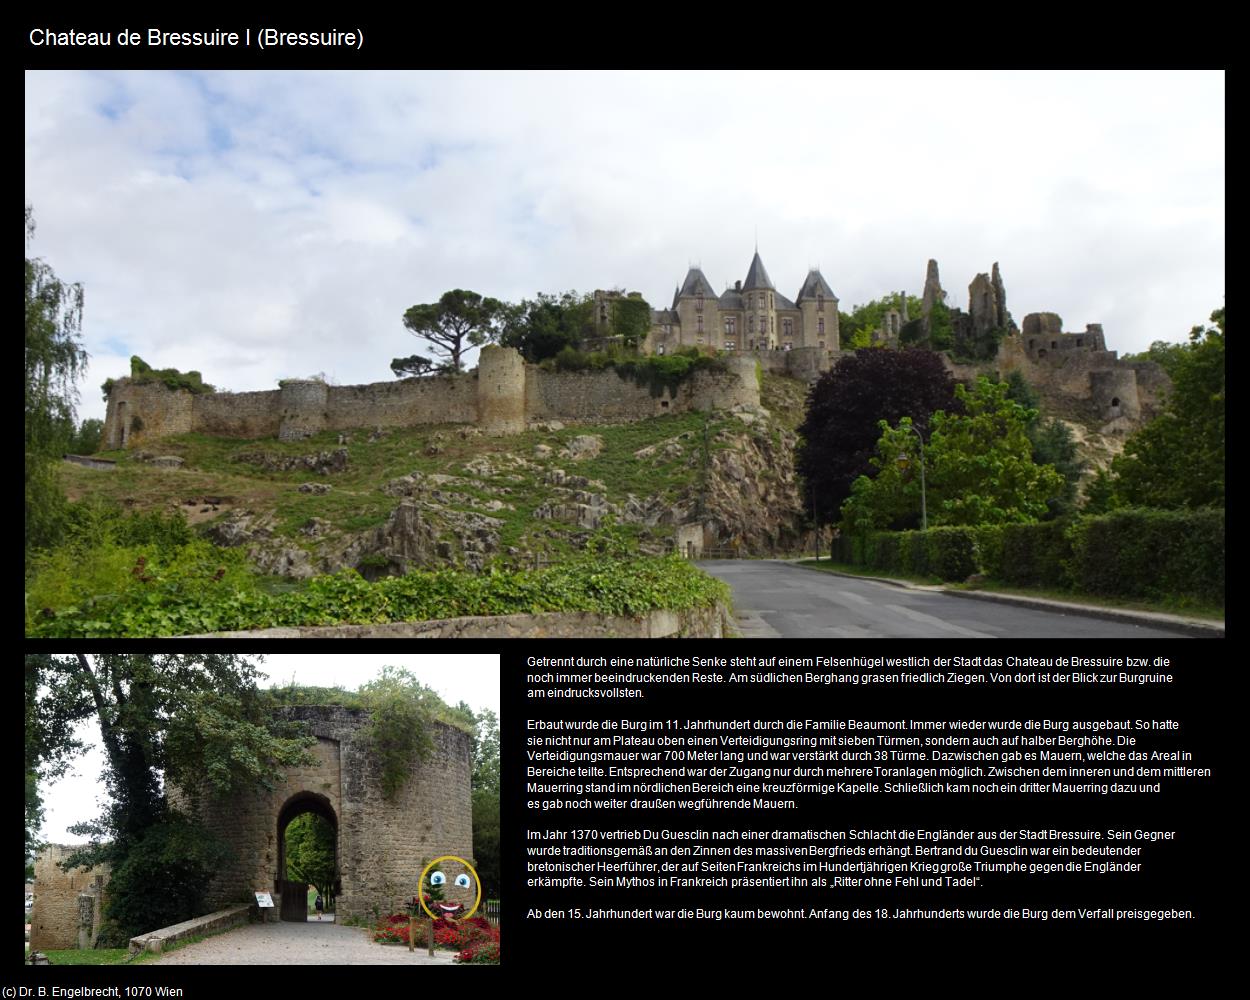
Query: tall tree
x=54, y=360
x=979, y=468
x=542, y=327
x=486, y=803
x=197, y=720
x=457, y=321
x=50, y=741
x=1177, y=460
x=844, y=408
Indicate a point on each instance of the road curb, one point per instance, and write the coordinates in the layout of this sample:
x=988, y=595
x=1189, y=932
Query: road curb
x=1190, y=626
x=1151, y=619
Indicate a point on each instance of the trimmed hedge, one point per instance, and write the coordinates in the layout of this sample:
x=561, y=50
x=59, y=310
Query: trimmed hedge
x=1129, y=553
x=1150, y=553
x=949, y=553
x=1034, y=555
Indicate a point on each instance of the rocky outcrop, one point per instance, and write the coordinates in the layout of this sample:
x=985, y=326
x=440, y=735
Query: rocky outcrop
x=322, y=462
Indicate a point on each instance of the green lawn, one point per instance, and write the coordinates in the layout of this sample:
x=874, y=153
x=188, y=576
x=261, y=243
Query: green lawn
x=1213, y=613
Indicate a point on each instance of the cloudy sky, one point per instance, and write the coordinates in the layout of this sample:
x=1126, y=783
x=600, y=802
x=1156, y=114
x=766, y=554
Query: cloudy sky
x=259, y=226
x=472, y=678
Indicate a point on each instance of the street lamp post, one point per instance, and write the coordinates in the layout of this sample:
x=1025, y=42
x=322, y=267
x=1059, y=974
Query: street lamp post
x=902, y=461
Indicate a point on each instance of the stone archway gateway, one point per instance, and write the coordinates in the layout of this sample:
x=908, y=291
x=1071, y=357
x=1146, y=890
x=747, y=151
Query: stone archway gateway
x=382, y=844
x=294, y=895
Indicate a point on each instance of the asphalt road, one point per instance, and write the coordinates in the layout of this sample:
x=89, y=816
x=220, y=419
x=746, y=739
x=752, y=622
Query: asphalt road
x=775, y=599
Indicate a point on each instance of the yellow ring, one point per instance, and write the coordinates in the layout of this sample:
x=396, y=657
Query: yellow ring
x=421, y=893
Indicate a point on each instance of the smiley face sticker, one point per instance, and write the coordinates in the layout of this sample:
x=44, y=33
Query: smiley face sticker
x=450, y=911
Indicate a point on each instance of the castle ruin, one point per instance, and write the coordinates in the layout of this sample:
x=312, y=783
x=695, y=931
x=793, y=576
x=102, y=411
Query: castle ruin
x=503, y=396
x=382, y=844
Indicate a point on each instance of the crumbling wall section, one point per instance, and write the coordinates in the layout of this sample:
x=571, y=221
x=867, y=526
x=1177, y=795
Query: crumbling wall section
x=58, y=913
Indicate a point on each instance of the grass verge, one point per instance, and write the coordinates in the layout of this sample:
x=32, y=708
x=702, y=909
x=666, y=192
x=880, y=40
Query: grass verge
x=1187, y=609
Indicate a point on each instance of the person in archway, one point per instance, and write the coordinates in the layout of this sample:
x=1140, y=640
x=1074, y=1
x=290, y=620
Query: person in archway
x=319, y=903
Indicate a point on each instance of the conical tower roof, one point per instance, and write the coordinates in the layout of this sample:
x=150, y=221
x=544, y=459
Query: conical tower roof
x=757, y=277
x=696, y=283
x=815, y=286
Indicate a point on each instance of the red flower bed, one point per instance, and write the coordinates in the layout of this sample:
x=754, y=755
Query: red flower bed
x=461, y=935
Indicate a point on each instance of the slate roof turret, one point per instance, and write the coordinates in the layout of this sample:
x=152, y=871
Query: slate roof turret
x=757, y=277
x=696, y=283
x=815, y=286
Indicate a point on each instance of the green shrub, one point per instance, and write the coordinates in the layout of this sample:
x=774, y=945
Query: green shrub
x=185, y=596
x=989, y=549
x=951, y=552
x=1035, y=555
x=1150, y=553
x=178, y=856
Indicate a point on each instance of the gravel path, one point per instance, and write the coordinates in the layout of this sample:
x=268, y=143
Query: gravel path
x=299, y=944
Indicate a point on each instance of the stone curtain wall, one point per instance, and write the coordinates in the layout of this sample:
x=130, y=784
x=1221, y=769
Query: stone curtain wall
x=55, y=918
x=238, y=414
x=501, y=398
x=382, y=845
x=605, y=395
x=435, y=400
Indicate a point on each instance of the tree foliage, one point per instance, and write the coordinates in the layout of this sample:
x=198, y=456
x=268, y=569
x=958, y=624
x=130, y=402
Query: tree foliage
x=310, y=853
x=1177, y=460
x=844, y=409
x=413, y=366
x=86, y=440
x=198, y=720
x=50, y=745
x=979, y=468
x=459, y=320
x=1053, y=443
x=858, y=325
x=630, y=320
x=542, y=327
x=486, y=840
x=54, y=360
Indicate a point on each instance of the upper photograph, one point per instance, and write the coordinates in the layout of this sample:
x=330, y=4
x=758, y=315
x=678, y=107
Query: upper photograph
x=624, y=354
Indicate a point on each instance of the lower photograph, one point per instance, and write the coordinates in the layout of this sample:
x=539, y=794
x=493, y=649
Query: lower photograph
x=222, y=809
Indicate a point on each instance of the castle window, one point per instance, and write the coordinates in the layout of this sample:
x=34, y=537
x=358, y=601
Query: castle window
x=668, y=327
x=1054, y=345
x=731, y=345
x=660, y=349
x=787, y=327
x=820, y=325
x=770, y=300
x=730, y=325
x=788, y=346
x=820, y=303
x=751, y=323
x=698, y=303
x=699, y=323
x=822, y=343
x=1080, y=342
x=1032, y=343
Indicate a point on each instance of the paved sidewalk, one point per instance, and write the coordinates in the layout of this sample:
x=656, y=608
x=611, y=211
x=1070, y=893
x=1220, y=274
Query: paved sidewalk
x=312, y=943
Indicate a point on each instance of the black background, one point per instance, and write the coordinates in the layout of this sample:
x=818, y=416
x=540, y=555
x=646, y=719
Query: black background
x=1192, y=872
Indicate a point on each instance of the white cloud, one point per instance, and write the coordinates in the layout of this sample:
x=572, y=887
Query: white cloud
x=259, y=225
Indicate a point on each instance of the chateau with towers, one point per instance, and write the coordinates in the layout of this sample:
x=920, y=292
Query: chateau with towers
x=751, y=316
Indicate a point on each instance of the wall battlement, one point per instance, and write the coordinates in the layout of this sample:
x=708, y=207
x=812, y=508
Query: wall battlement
x=503, y=396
